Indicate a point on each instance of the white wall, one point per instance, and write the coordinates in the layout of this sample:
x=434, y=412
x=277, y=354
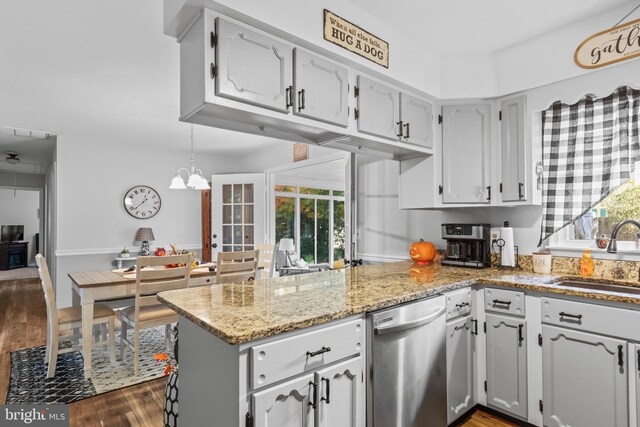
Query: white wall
x=23, y=209
x=93, y=176
x=28, y=180
x=549, y=58
x=410, y=62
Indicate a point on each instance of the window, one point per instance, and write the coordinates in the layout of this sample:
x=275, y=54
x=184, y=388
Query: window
x=314, y=218
x=623, y=203
x=589, y=150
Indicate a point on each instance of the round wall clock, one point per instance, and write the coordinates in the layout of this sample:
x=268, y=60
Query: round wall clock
x=142, y=202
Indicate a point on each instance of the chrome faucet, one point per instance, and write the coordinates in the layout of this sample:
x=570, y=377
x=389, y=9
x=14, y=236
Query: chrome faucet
x=613, y=246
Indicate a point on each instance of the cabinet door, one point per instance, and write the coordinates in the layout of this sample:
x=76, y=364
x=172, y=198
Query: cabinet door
x=507, y=364
x=513, y=149
x=465, y=153
x=459, y=368
x=378, y=109
x=584, y=383
x=252, y=67
x=286, y=405
x=341, y=395
x=321, y=89
x=417, y=120
x=636, y=355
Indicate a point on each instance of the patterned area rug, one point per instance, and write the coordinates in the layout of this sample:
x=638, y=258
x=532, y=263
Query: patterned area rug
x=29, y=383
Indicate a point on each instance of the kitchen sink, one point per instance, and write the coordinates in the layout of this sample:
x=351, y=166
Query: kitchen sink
x=599, y=286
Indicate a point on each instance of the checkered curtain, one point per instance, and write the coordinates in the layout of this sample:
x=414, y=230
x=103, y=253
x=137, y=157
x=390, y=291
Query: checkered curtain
x=589, y=149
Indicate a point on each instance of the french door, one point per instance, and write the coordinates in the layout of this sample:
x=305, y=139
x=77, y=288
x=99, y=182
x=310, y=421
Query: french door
x=237, y=212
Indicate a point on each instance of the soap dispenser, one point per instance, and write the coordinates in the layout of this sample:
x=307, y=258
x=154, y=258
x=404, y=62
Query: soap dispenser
x=586, y=264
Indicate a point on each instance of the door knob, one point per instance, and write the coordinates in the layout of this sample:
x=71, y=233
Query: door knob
x=215, y=245
x=215, y=236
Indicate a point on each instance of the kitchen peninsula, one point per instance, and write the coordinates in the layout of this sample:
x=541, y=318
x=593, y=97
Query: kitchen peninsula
x=266, y=350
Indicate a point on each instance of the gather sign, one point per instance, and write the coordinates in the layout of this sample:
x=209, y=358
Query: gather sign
x=353, y=38
x=608, y=47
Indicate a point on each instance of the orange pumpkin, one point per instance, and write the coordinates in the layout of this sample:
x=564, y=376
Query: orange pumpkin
x=422, y=252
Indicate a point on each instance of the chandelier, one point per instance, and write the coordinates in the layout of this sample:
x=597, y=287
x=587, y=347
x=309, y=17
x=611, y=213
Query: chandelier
x=193, y=176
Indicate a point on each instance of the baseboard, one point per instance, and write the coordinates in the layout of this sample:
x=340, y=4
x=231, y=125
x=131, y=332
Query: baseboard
x=491, y=411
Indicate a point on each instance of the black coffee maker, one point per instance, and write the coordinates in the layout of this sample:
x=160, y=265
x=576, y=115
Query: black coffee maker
x=468, y=245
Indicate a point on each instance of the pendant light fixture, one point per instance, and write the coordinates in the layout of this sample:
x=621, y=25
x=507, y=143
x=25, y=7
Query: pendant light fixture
x=194, y=177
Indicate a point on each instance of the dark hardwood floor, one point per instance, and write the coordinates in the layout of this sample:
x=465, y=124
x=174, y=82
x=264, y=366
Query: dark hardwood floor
x=23, y=324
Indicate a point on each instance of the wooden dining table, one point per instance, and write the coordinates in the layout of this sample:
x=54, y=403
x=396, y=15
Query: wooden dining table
x=95, y=286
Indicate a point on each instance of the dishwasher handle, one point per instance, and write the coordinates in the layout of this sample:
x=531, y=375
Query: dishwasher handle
x=409, y=325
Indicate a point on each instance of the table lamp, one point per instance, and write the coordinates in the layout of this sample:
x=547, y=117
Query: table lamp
x=287, y=246
x=144, y=235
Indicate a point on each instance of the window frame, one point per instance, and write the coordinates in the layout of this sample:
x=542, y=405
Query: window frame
x=561, y=244
x=297, y=196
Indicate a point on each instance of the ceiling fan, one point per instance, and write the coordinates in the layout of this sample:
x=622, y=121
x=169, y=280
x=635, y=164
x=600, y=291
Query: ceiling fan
x=12, y=158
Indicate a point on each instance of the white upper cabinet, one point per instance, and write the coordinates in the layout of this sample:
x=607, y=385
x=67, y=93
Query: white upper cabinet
x=416, y=116
x=321, y=88
x=513, y=149
x=252, y=67
x=466, y=133
x=378, y=109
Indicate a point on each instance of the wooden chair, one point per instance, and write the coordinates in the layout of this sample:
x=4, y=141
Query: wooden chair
x=147, y=311
x=266, y=260
x=236, y=266
x=70, y=318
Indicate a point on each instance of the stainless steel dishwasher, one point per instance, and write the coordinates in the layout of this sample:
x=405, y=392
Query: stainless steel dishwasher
x=407, y=365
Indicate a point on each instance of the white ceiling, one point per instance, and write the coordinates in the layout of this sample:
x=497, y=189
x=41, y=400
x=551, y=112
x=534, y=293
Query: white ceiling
x=100, y=71
x=34, y=153
x=467, y=27
x=104, y=72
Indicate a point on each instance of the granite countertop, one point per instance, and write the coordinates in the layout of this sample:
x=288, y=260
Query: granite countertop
x=242, y=312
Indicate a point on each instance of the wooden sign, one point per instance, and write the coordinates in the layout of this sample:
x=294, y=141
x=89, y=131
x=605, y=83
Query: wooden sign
x=300, y=152
x=608, y=47
x=353, y=38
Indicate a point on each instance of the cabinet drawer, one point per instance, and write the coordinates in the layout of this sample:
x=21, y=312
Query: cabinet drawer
x=591, y=317
x=291, y=356
x=504, y=301
x=458, y=303
x=201, y=281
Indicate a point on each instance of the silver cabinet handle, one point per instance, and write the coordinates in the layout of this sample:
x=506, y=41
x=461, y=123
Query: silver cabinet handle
x=409, y=325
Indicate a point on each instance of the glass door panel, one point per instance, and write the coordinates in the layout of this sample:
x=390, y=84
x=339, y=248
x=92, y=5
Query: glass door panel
x=285, y=218
x=338, y=230
x=322, y=231
x=307, y=230
x=234, y=210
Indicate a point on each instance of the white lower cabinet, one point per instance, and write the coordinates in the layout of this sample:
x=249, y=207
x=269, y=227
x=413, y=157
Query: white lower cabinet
x=330, y=397
x=507, y=364
x=459, y=367
x=585, y=379
x=636, y=375
x=286, y=405
x=341, y=395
